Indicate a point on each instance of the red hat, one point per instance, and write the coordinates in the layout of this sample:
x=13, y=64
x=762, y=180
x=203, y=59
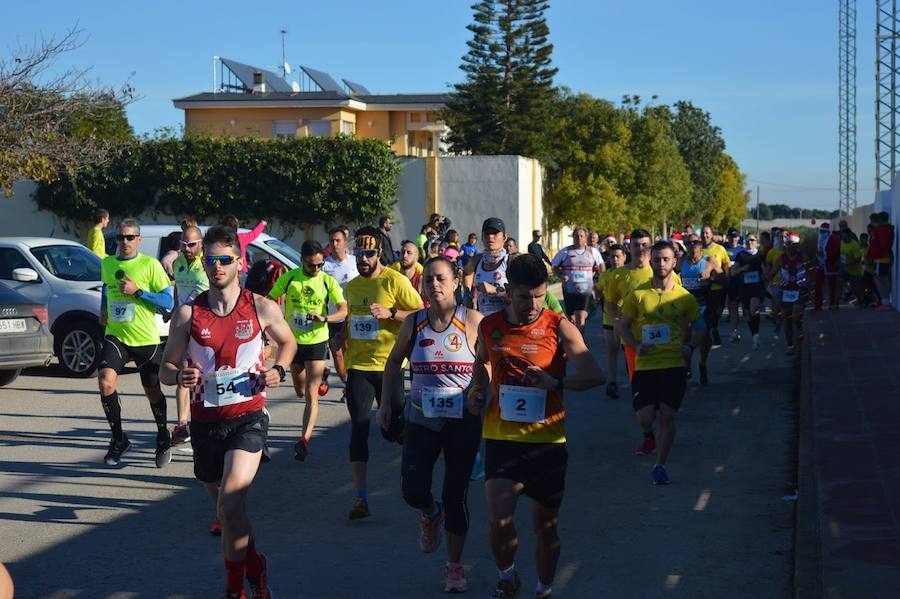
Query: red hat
x=677, y=236
x=825, y=226
x=793, y=237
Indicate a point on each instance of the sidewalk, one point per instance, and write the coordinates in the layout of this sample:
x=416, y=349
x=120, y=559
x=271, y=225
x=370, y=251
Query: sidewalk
x=854, y=391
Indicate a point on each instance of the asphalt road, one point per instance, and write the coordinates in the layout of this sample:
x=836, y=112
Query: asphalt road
x=71, y=527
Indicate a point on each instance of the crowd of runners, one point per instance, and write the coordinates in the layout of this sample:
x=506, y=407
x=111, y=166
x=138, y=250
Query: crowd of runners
x=490, y=354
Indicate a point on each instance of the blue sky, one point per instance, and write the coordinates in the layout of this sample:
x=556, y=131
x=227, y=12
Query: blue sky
x=765, y=70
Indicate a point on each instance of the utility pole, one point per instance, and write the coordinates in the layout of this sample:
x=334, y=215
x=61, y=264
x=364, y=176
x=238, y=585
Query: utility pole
x=757, y=211
x=847, y=106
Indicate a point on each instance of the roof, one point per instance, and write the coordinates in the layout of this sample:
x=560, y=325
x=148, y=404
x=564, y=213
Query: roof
x=32, y=242
x=326, y=98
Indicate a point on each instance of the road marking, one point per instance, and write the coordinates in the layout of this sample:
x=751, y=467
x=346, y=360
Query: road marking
x=672, y=581
x=703, y=500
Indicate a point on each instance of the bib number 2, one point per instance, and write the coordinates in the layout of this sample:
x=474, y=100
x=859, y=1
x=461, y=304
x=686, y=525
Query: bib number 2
x=522, y=404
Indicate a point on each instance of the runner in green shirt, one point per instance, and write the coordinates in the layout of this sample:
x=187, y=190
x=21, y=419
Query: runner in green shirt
x=134, y=288
x=307, y=292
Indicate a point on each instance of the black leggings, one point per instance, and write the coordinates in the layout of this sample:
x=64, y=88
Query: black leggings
x=459, y=440
x=364, y=388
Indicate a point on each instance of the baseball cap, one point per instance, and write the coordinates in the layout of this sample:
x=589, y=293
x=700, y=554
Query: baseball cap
x=493, y=224
x=451, y=252
x=734, y=233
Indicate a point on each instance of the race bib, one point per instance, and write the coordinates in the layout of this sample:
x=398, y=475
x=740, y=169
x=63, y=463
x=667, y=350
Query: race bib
x=363, y=327
x=522, y=404
x=300, y=322
x=121, y=311
x=751, y=277
x=790, y=296
x=226, y=387
x=442, y=402
x=655, y=334
x=580, y=276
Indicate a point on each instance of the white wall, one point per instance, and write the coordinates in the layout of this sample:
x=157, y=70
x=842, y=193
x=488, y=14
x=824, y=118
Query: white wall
x=474, y=188
x=20, y=216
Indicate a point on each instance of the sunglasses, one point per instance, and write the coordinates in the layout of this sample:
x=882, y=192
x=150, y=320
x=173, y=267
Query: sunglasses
x=189, y=244
x=365, y=253
x=126, y=237
x=317, y=265
x=223, y=260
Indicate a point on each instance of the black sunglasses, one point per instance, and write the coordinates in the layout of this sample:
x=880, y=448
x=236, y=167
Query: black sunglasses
x=365, y=253
x=126, y=237
x=317, y=265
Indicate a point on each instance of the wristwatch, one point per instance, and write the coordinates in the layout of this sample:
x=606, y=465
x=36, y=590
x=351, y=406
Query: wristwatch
x=139, y=293
x=280, y=370
x=393, y=313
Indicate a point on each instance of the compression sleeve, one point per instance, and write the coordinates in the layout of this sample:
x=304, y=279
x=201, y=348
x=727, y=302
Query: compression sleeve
x=164, y=299
x=103, y=299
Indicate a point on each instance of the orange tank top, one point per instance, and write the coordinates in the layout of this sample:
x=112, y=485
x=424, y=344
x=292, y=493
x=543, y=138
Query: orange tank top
x=511, y=350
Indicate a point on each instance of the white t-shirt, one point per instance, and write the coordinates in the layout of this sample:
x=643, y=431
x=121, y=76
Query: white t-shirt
x=343, y=272
x=579, y=266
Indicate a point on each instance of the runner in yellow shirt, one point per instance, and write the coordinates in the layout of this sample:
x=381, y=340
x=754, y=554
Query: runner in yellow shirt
x=602, y=291
x=716, y=298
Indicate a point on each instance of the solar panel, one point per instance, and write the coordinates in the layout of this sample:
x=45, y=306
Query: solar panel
x=323, y=80
x=356, y=88
x=244, y=72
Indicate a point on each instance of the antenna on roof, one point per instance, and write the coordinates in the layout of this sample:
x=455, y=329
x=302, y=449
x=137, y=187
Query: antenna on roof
x=285, y=67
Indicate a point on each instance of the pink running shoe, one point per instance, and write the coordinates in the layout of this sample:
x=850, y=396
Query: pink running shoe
x=454, y=578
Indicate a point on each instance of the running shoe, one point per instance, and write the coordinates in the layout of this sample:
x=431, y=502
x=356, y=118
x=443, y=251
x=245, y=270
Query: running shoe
x=454, y=578
x=791, y=350
x=430, y=531
x=716, y=339
x=359, y=509
x=163, y=449
x=180, y=434
x=756, y=341
x=324, y=386
x=704, y=375
x=215, y=529
x=301, y=449
x=659, y=475
x=116, y=449
x=735, y=337
x=612, y=390
x=647, y=447
x=259, y=588
x=507, y=589
x=477, y=468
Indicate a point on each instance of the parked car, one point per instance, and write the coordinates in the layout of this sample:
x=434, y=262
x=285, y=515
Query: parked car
x=25, y=339
x=64, y=276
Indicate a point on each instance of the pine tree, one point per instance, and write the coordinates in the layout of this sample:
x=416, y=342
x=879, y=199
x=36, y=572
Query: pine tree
x=504, y=105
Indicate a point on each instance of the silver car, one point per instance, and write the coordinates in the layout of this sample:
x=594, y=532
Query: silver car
x=25, y=340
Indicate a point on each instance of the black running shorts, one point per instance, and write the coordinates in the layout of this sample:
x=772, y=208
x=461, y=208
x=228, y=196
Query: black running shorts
x=653, y=387
x=310, y=353
x=540, y=467
x=146, y=358
x=575, y=302
x=212, y=440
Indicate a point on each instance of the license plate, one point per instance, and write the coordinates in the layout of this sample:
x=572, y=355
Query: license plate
x=13, y=325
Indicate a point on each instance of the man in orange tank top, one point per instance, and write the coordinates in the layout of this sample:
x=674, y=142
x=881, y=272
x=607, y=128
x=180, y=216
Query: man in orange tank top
x=527, y=349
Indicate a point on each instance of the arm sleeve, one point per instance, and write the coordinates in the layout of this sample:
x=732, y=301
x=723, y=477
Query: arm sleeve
x=103, y=299
x=164, y=299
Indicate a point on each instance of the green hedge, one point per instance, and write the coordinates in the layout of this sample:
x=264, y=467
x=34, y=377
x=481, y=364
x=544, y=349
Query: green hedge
x=293, y=181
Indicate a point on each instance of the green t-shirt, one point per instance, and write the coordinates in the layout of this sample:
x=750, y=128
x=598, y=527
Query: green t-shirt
x=307, y=294
x=190, y=279
x=96, y=243
x=552, y=303
x=130, y=319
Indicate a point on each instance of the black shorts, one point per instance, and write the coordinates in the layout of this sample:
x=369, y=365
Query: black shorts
x=540, y=467
x=212, y=440
x=733, y=289
x=335, y=328
x=608, y=327
x=882, y=269
x=146, y=358
x=310, y=353
x=748, y=292
x=575, y=302
x=653, y=387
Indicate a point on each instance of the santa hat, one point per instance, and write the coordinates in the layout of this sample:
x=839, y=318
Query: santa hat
x=793, y=237
x=678, y=238
x=626, y=239
x=611, y=238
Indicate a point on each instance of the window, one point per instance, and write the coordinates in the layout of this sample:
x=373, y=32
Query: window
x=69, y=262
x=346, y=127
x=11, y=259
x=284, y=129
x=254, y=255
x=322, y=128
x=285, y=250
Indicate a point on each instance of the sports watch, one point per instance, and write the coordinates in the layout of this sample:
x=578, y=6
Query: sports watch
x=280, y=370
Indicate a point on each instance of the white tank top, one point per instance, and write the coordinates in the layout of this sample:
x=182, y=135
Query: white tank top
x=442, y=366
x=579, y=265
x=488, y=303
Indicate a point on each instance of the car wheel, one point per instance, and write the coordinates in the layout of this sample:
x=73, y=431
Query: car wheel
x=78, y=345
x=8, y=376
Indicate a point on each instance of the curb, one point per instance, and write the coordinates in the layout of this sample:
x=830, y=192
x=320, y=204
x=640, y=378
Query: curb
x=807, y=543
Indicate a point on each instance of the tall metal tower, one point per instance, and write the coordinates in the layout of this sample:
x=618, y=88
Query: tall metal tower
x=887, y=109
x=847, y=105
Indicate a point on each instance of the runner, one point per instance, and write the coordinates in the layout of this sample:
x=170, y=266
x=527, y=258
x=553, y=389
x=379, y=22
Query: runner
x=95, y=241
x=852, y=267
x=308, y=291
x=733, y=289
x=485, y=273
x=511, y=247
x=697, y=273
x=190, y=281
x=408, y=265
x=576, y=265
x=748, y=265
x=794, y=291
x=879, y=253
x=527, y=349
x=773, y=275
x=221, y=333
x=662, y=323
x=341, y=266
x=603, y=287
x=441, y=353
x=716, y=299
x=134, y=287
x=379, y=299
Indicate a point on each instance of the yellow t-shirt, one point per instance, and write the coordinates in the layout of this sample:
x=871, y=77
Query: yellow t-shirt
x=658, y=318
x=718, y=252
x=96, y=243
x=603, y=286
x=852, y=258
x=630, y=279
x=369, y=340
x=773, y=259
x=419, y=268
